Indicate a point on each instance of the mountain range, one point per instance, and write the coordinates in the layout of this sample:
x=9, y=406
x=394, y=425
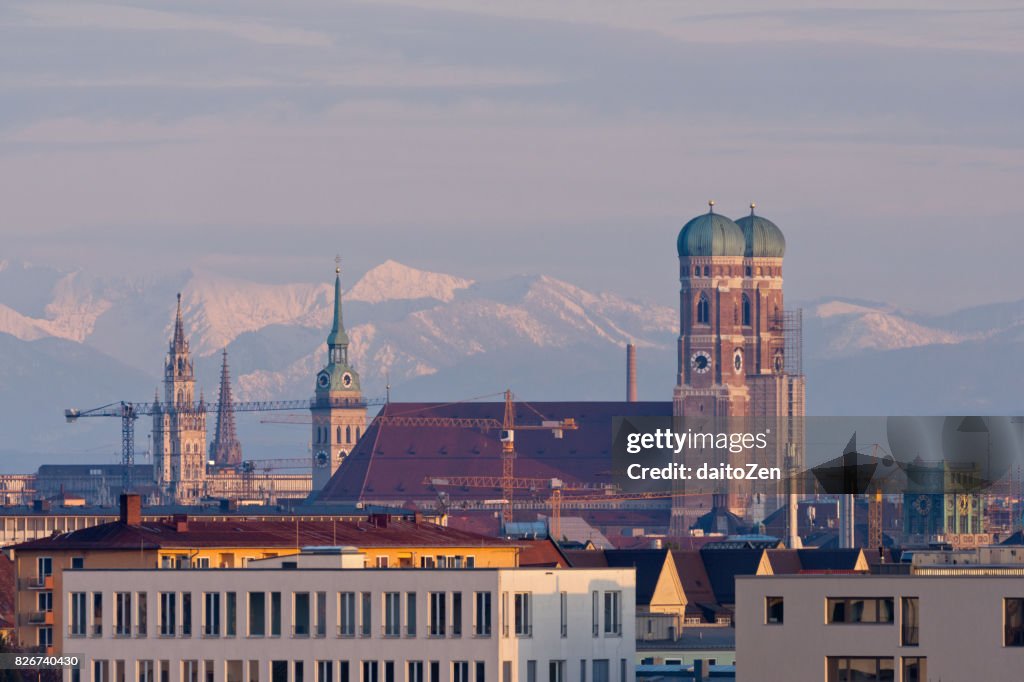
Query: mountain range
x=75, y=339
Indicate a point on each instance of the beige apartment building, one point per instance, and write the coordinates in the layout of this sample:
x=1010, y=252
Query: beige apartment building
x=946, y=623
x=321, y=617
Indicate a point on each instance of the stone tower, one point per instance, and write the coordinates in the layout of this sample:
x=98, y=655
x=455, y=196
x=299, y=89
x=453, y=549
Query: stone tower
x=225, y=450
x=732, y=345
x=338, y=411
x=179, y=425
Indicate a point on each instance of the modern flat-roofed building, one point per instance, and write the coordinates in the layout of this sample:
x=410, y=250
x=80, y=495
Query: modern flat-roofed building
x=320, y=616
x=181, y=542
x=939, y=623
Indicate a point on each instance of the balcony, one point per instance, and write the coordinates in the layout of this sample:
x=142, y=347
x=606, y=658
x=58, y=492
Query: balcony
x=40, y=618
x=44, y=582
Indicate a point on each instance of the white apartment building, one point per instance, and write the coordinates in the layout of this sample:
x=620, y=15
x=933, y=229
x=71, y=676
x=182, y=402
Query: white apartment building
x=320, y=616
x=947, y=623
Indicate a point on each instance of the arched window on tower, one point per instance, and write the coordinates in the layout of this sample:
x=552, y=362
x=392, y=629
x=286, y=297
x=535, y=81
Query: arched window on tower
x=746, y=310
x=707, y=271
x=357, y=433
x=348, y=434
x=703, y=309
x=339, y=434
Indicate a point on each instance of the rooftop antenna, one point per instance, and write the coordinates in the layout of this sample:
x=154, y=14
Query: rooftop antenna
x=337, y=264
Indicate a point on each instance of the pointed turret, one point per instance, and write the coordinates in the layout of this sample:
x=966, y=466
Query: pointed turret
x=179, y=343
x=337, y=337
x=225, y=450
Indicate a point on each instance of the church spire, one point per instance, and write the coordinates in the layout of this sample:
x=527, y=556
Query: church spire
x=179, y=328
x=225, y=450
x=337, y=340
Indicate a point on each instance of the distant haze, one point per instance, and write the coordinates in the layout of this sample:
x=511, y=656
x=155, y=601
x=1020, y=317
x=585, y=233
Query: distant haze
x=490, y=138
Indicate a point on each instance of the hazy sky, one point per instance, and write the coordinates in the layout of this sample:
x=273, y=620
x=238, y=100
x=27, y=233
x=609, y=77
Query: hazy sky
x=487, y=138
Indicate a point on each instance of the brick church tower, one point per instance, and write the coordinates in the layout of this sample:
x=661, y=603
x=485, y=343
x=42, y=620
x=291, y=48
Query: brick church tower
x=733, y=343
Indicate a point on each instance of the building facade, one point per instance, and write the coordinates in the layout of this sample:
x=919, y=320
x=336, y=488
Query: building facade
x=338, y=411
x=734, y=336
x=940, y=623
x=300, y=620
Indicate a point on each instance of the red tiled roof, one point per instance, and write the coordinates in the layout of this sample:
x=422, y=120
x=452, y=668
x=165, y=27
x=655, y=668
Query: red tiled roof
x=390, y=462
x=541, y=553
x=284, y=533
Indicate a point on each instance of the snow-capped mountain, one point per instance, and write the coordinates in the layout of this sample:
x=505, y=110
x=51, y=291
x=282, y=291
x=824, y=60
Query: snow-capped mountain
x=76, y=339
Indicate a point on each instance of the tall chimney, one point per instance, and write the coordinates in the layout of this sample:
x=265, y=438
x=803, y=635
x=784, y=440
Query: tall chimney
x=631, y=372
x=131, y=509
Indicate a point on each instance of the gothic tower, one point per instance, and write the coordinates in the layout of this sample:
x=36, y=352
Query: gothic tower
x=338, y=411
x=225, y=450
x=179, y=425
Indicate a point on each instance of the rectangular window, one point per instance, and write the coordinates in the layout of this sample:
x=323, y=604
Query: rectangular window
x=382, y=562
x=506, y=671
x=389, y=671
x=257, y=614
x=773, y=608
x=275, y=614
x=860, y=610
x=146, y=671
x=392, y=614
x=279, y=671
x=909, y=621
x=77, y=562
x=186, y=614
x=438, y=617
x=613, y=613
x=556, y=671
x=370, y=671
x=168, y=614
x=79, y=612
x=601, y=670
x=298, y=671
x=583, y=670
x=427, y=562
x=321, y=614
x=122, y=614
x=44, y=568
x=347, y=612
x=211, y=614
x=456, y=614
x=300, y=614
x=344, y=672
x=435, y=671
x=97, y=614
x=531, y=671
x=860, y=669
x=915, y=669
x=44, y=637
x=523, y=623
x=481, y=672
x=231, y=614
x=563, y=610
x=1013, y=622
x=410, y=614
x=482, y=614
x=365, y=614
x=142, y=613
x=470, y=562
x=504, y=614
x=460, y=671
x=414, y=671
x=622, y=668
x=325, y=671
x=595, y=613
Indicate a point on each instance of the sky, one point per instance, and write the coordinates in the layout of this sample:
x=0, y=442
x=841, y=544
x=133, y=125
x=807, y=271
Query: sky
x=489, y=138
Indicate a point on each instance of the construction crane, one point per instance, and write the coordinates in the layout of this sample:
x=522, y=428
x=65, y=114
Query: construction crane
x=129, y=412
x=588, y=492
x=507, y=428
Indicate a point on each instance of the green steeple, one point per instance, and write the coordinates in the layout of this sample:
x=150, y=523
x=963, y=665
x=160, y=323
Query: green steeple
x=337, y=375
x=337, y=337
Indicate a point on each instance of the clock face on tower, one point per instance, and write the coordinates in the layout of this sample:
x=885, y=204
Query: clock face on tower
x=322, y=459
x=323, y=380
x=701, y=362
x=346, y=379
x=737, y=360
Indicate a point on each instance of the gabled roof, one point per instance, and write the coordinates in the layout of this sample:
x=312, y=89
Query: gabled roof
x=241, y=533
x=700, y=597
x=649, y=564
x=541, y=553
x=723, y=565
x=832, y=559
x=391, y=461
